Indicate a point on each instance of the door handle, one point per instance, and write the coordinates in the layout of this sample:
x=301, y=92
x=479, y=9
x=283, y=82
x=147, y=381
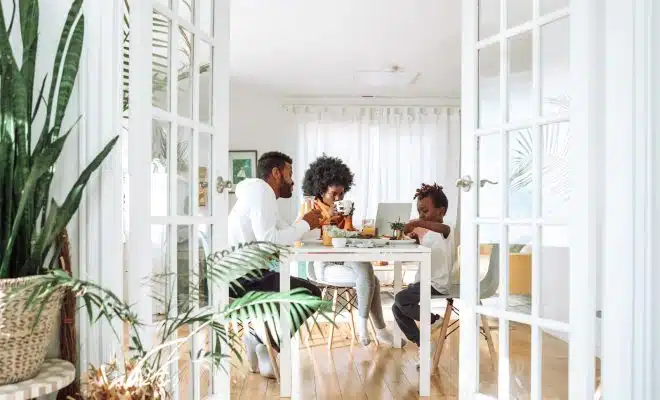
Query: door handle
x=465, y=183
x=483, y=182
x=221, y=184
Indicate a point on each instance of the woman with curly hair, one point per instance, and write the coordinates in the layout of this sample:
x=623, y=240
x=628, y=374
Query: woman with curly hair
x=328, y=179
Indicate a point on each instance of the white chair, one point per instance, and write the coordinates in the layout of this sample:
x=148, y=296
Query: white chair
x=342, y=285
x=487, y=288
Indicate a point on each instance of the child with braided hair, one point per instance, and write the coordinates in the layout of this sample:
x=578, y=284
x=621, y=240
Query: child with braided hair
x=430, y=231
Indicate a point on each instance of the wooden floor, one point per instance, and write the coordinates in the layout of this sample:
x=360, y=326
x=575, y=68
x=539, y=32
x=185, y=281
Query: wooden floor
x=352, y=372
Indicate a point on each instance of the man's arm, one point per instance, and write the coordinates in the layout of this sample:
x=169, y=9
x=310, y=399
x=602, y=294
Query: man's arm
x=264, y=219
x=438, y=227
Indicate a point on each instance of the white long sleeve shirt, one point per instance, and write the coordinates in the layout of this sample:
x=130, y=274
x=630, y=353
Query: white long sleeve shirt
x=255, y=217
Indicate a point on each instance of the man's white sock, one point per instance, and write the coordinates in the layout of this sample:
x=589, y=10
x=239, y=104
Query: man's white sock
x=265, y=366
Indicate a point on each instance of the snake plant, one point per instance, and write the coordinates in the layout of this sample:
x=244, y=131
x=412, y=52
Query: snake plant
x=29, y=219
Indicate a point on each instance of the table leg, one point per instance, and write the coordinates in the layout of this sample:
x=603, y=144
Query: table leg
x=398, y=279
x=425, y=328
x=295, y=352
x=285, y=338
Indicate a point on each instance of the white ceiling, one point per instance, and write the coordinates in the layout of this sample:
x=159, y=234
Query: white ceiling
x=315, y=47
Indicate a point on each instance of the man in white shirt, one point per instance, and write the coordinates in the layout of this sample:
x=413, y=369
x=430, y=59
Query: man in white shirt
x=255, y=217
x=431, y=231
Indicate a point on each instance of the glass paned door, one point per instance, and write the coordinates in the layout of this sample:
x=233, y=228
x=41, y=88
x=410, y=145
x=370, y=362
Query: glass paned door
x=177, y=150
x=516, y=156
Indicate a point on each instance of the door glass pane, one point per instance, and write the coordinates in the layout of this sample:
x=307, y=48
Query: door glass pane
x=186, y=8
x=160, y=176
x=184, y=241
x=556, y=171
x=206, y=15
x=518, y=12
x=489, y=85
x=160, y=65
x=205, y=243
x=547, y=6
x=520, y=346
x=520, y=269
x=184, y=171
x=554, y=269
x=489, y=264
x=488, y=345
x=489, y=18
x=555, y=67
x=160, y=258
x=184, y=72
x=489, y=160
x=204, y=170
x=521, y=151
x=554, y=365
x=205, y=55
x=519, y=79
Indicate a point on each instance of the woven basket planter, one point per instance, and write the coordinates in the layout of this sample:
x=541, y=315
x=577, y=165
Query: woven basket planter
x=23, y=345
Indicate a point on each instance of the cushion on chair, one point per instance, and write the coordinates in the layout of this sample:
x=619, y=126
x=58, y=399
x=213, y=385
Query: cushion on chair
x=334, y=274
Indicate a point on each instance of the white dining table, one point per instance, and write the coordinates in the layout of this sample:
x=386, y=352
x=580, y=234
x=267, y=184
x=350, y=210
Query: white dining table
x=290, y=382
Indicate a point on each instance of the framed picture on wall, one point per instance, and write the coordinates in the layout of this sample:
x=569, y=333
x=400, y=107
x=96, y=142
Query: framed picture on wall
x=242, y=165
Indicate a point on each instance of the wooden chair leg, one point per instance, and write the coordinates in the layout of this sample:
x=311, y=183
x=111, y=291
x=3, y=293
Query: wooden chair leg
x=489, y=340
x=440, y=344
x=598, y=395
x=373, y=327
x=334, y=318
x=348, y=296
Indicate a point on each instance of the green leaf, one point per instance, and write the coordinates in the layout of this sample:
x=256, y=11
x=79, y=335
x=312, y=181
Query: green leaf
x=29, y=15
x=47, y=133
x=42, y=165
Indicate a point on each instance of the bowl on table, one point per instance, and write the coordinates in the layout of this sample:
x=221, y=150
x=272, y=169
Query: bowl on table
x=339, y=242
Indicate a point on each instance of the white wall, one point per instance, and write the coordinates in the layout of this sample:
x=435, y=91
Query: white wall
x=259, y=122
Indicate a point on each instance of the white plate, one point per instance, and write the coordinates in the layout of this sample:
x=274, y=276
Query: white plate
x=366, y=243
x=402, y=242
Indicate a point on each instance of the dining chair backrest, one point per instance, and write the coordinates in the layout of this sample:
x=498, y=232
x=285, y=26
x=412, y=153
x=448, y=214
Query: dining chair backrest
x=311, y=274
x=491, y=281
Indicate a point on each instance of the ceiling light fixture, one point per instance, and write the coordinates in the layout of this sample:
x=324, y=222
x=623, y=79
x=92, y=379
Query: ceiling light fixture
x=394, y=76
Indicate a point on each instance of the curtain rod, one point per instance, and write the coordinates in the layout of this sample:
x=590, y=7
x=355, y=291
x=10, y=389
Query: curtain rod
x=373, y=101
x=287, y=105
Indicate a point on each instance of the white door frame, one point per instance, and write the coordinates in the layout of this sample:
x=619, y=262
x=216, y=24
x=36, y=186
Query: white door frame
x=99, y=247
x=631, y=219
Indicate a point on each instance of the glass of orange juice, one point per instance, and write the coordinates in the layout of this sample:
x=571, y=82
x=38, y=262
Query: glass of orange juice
x=327, y=240
x=369, y=227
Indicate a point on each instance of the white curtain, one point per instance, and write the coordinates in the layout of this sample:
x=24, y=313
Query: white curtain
x=391, y=150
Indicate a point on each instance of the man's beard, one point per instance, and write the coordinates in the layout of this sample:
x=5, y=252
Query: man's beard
x=286, y=190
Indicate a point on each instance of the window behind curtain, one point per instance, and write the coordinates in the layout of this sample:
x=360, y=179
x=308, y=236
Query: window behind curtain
x=391, y=150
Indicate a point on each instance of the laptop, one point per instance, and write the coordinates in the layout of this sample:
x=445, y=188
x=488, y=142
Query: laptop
x=391, y=212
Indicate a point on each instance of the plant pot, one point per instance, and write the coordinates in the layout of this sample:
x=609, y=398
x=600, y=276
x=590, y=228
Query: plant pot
x=24, y=343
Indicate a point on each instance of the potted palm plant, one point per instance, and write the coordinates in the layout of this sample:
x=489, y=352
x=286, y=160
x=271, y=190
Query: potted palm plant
x=145, y=374
x=31, y=142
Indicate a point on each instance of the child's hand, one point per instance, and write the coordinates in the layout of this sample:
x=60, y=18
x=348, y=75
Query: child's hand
x=418, y=234
x=410, y=226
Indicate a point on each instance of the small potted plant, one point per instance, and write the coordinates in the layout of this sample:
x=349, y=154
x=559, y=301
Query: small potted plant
x=397, y=229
